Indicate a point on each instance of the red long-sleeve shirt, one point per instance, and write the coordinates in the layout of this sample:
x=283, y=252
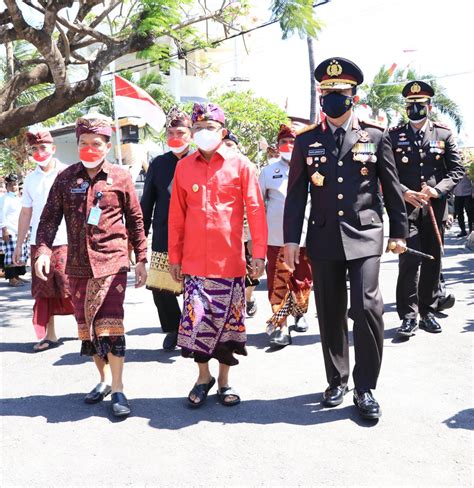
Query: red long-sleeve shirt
x=94, y=250
x=207, y=213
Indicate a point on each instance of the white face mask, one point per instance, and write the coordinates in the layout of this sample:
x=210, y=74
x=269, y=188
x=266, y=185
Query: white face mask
x=93, y=164
x=286, y=155
x=178, y=150
x=207, y=140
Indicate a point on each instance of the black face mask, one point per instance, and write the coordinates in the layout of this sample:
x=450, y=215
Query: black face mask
x=334, y=104
x=417, y=111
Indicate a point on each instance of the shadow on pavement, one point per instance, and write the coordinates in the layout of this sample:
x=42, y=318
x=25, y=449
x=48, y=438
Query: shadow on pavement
x=462, y=420
x=27, y=347
x=133, y=356
x=144, y=331
x=173, y=414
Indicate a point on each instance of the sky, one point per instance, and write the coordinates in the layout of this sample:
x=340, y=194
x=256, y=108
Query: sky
x=372, y=33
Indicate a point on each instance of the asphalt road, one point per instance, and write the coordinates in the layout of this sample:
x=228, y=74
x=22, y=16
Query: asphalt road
x=280, y=435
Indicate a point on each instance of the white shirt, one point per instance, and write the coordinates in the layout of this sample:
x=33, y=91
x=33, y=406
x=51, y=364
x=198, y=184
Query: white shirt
x=35, y=194
x=11, y=212
x=274, y=185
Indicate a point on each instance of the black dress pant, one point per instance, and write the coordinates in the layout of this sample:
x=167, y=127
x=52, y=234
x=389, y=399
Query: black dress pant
x=366, y=311
x=419, y=279
x=168, y=309
x=461, y=204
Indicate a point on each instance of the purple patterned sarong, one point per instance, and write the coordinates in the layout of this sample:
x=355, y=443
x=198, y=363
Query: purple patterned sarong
x=212, y=324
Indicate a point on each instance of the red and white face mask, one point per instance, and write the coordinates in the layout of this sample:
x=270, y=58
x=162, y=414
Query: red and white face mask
x=177, y=144
x=42, y=157
x=91, y=157
x=285, y=151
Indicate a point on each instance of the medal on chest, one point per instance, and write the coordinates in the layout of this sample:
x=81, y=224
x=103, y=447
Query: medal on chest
x=317, y=179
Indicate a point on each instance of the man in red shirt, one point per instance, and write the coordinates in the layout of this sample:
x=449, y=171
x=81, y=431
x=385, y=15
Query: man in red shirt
x=212, y=188
x=102, y=214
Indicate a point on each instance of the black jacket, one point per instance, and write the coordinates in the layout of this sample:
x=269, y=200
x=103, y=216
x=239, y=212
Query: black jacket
x=437, y=163
x=155, y=201
x=346, y=211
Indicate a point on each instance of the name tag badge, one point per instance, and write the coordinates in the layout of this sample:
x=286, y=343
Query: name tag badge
x=277, y=176
x=94, y=216
x=320, y=151
x=78, y=190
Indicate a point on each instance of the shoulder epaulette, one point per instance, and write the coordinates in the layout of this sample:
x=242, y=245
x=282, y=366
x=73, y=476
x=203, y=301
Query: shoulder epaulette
x=373, y=123
x=439, y=124
x=401, y=126
x=306, y=129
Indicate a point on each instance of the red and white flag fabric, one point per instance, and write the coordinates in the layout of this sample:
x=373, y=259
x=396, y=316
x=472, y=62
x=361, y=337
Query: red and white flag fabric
x=133, y=101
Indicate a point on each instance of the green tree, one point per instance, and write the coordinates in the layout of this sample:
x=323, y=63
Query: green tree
x=78, y=41
x=250, y=118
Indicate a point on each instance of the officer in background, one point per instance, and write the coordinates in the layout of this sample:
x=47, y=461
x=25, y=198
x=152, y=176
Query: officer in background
x=343, y=160
x=429, y=167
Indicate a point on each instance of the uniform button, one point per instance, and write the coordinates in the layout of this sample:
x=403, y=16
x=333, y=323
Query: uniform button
x=312, y=222
x=340, y=163
x=340, y=179
x=422, y=177
x=421, y=164
x=340, y=196
x=420, y=150
x=340, y=213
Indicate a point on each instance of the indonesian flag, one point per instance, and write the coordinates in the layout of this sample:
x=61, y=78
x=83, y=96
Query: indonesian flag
x=133, y=101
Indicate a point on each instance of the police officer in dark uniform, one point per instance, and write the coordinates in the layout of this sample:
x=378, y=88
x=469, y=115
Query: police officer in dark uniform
x=155, y=204
x=429, y=167
x=344, y=160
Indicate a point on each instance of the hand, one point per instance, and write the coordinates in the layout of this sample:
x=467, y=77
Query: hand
x=175, y=272
x=397, y=246
x=429, y=191
x=258, y=267
x=17, y=255
x=42, y=266
x=140, y=275
x=415, y=198
x=292, y=256
x=5, y=234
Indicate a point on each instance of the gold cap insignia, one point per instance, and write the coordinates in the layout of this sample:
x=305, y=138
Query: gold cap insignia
x=415, y=88
x=334, y=68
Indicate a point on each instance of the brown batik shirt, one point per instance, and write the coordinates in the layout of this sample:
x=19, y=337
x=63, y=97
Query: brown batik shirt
x=94, y=250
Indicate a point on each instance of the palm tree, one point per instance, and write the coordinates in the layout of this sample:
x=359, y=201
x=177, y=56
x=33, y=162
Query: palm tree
x=384, y=94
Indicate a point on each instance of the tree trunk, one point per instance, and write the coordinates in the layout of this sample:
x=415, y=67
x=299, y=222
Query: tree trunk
x=313, y=101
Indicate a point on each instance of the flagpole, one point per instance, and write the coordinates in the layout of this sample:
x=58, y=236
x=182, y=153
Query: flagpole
x=117, y=126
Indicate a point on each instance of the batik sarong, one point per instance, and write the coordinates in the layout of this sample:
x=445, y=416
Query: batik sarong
x=9, y=250
x=52, y=297
x=98, y=308
x=288, y=292
x=212, y=324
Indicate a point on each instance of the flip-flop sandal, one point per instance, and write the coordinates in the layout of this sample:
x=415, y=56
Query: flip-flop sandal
x=51, y=345
x=226, y=392
x=200, y=392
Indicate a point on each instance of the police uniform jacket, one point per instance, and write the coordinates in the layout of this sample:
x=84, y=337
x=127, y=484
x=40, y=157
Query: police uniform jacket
x=346, y=209
x=435, y=161
x=155, y=201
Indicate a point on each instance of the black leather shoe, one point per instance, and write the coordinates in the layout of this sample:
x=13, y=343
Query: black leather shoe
x=333, y=397
x=430, y=324
x=366, y=404
x=408, y=328
x=120, y=405
x=171, y=341
x=446, y=302
x=280, y=339
x=300, y=324
x=463, y=233
x=98, y=393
